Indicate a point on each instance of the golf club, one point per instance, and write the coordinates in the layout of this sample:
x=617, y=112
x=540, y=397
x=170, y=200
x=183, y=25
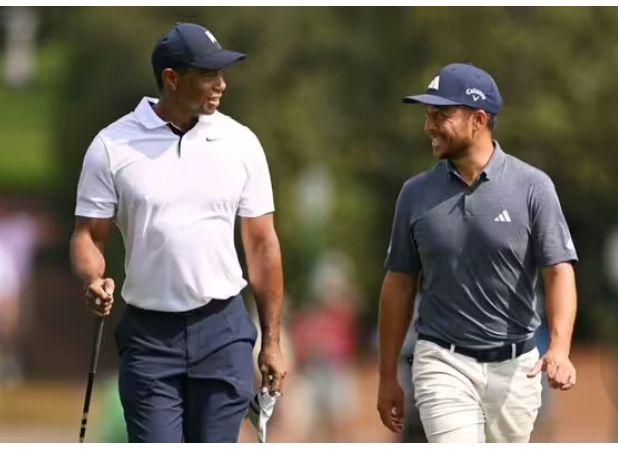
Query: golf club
x=93, y=369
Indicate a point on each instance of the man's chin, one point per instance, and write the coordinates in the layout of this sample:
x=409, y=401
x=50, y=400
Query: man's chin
x=439, y=153
x=211, y=107
x=208, y=110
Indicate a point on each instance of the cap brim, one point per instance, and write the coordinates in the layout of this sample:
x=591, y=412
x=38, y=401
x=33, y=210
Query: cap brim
x=428, y=99
x=219, y=60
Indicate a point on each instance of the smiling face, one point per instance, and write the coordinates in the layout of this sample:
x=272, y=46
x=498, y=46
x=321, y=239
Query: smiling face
x=195, y=91
x=449, y=129
x=453, y=129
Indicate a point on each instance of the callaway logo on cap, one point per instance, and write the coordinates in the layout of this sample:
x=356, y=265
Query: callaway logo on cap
x=461, y=84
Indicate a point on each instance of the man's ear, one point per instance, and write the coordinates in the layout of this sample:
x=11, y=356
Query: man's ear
x=480, y=119
x=170, y=79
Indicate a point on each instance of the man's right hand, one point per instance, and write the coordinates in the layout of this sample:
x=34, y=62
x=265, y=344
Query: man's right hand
x=100, y=296
x=390, y=404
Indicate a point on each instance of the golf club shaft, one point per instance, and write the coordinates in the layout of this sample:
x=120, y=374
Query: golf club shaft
x=93, y=370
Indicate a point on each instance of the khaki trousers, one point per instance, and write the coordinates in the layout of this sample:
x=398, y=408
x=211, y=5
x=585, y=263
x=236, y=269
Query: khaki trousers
x=462, y=400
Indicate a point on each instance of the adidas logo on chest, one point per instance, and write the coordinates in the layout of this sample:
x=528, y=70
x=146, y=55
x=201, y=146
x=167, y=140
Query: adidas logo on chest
x=503, y=217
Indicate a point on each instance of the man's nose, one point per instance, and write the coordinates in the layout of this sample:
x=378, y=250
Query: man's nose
x=429, y=126
x=220, y=82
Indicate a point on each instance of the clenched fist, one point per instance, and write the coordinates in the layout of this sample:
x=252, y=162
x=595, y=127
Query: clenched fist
x=100, y=296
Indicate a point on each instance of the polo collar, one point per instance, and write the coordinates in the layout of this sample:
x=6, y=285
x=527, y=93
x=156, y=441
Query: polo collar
x=491, y=169
x=495, y=162
x=209, y=119
x=145, y=114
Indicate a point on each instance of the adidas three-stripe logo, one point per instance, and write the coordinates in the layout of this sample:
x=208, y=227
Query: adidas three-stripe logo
x=503, y=217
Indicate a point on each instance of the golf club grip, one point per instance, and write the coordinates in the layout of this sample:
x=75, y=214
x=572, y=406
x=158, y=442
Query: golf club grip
x=93, y=369
x=98, y=337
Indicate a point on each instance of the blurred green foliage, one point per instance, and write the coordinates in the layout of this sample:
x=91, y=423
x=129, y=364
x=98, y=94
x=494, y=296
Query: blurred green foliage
x=27, y=161
x=322, y=85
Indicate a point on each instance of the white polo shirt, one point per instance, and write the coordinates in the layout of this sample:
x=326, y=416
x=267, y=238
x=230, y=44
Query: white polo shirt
x=175, y=200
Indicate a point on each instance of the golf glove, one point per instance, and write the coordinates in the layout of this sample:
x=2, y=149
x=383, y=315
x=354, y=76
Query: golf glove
x=260, y=410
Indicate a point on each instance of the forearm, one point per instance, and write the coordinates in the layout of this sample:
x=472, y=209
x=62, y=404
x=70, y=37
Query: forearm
x=560, y=305
x=266, y=281
x=87, y=258
x=396, y=301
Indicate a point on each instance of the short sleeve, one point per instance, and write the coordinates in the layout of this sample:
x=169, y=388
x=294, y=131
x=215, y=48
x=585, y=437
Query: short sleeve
x=402, y=254
x=257, y=195
x=551, y=238
x=96, y=194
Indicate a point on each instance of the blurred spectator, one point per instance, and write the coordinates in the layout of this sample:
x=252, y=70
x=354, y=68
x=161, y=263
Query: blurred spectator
x=18, y=242
x=325, y=338
x=19, y=235
x=9, y=313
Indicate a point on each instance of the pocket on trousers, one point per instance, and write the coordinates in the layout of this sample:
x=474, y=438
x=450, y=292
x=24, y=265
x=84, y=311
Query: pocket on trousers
x=241, y=324
x=121, y=334
x=527, y=360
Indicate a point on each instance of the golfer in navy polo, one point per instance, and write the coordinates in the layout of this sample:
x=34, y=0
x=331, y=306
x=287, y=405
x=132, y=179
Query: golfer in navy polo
x=173, y=175
x=472, y=234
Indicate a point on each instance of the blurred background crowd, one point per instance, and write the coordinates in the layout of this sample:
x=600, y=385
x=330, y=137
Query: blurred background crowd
x=322, y=89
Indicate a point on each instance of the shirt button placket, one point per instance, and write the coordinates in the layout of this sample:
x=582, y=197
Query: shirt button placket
x=467, y=203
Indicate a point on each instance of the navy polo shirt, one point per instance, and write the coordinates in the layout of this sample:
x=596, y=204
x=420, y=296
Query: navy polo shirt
x=479, y=249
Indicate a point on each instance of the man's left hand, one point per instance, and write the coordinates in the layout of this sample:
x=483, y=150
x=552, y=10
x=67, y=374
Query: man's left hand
x=557, y=366
x=272, y=367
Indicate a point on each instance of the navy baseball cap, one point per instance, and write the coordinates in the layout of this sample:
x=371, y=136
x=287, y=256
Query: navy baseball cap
x=192, y=45
x=461, y=84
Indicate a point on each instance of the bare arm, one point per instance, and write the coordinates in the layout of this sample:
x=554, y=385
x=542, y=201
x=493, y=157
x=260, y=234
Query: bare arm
x=396, y=304
x=263, y=256
x=396, y=299
x=560, y=305
x=87, y=247
x=561, y=308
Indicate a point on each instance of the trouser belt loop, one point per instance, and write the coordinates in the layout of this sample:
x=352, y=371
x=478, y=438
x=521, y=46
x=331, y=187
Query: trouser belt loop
x=452, y=348
x=513, y=351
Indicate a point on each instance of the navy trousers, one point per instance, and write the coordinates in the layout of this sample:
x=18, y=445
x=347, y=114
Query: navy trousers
x=186, y=377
